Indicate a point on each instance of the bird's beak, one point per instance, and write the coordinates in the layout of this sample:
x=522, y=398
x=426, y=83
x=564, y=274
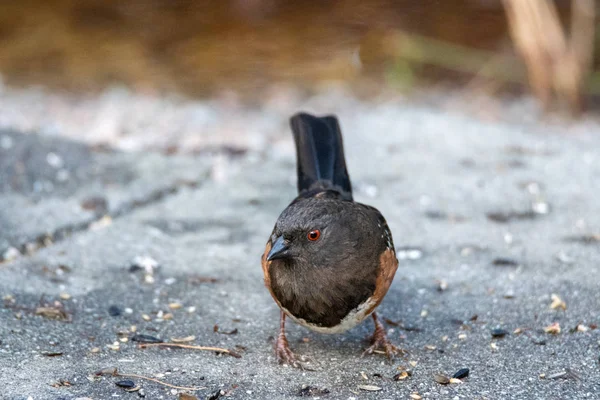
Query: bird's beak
x=279, y=250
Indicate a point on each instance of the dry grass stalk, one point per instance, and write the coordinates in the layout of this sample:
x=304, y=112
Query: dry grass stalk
x=558, y=63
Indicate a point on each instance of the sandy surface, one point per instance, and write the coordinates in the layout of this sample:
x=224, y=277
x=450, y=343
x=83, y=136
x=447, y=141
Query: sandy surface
x=498, y=206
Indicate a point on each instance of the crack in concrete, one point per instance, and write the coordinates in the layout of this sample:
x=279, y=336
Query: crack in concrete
x=61, y=233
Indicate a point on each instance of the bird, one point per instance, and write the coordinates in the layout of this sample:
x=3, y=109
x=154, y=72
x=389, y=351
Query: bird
x=329, y=260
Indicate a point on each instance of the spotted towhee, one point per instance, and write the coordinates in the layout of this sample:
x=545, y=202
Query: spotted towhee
x=329, y=261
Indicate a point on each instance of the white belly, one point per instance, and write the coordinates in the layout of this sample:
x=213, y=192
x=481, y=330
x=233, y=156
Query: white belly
x=354, y=318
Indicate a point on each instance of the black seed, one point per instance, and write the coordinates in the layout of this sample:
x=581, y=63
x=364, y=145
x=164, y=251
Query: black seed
x=114, y=311
x=505, y=262
x=499, y=332
x=215, y=395
x=145, y=339
x=125, y=384
x=461, y=373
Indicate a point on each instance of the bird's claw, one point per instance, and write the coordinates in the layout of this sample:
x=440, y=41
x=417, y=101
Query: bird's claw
x=284, y=354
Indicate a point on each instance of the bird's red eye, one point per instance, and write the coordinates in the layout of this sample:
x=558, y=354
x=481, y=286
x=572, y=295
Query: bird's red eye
x=314, y=235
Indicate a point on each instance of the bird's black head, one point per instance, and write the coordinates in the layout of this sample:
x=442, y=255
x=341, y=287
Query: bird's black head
x=319, y=233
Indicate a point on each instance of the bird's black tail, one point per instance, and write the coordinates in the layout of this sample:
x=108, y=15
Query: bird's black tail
x=320, y=154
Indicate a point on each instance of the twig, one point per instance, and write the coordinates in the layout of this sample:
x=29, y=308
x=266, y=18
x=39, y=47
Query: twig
x=160, y=382
x=192, y=347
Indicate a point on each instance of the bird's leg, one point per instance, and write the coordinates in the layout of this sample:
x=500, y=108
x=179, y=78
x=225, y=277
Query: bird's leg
x=282, y=348
x=379, y=341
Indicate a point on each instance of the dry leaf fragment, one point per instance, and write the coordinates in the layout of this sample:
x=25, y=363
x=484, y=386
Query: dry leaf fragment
x=557, y=302
x=553, y=329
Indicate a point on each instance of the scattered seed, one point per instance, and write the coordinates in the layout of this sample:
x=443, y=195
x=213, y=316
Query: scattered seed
x=582, y=328
x=455, y=381
x=558, y=375
x=95, y=350
x=401, y=376
x=494, y=346
x=503, y=217
x=415, y=396
x=98, y=204
x=146, y=317
x=53, y=313
x=505, y=262
x=557, y=302
x=52, y=353
x=413, y=363
x=114, y=311
x=186, y=339
x=65, y=296
x=553, y=329
x=168, y=316
x=311, y=391
x=369, y=388
x=430, y=347
x=141, y=338
x=101, y=223
x=215, y=395
x=462, y=336
x=106, y=371
x=61, y=383
x=115, y=346
x=499, y=333
x=231, y=332
x=185, y=396
x=364, y=376
x=564, y=258
x=461, y=373
x=126, y=384
x=441, y=379
x=442, y=285
x=424, y=313
x=175, y=306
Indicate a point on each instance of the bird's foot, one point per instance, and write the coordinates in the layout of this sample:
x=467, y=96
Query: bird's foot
x=384, y=346
x=381, y=344
x=284, y=354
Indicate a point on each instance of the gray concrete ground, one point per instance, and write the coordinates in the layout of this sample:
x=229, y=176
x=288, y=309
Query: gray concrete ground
x=499, y=215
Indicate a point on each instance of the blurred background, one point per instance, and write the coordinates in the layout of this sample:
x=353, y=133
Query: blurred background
x=244, y=49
